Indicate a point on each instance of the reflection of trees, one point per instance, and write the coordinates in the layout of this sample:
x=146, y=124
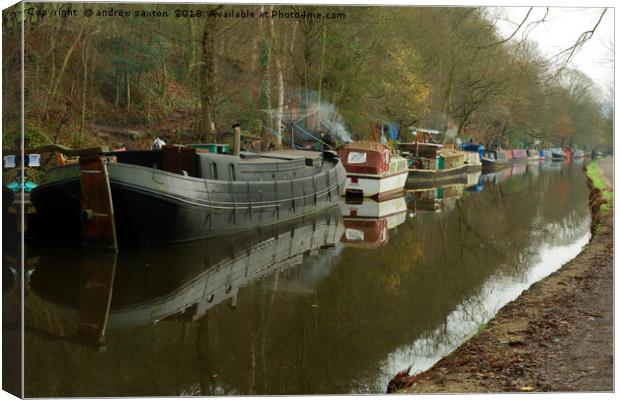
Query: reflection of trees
x=332, y=339
x=375, y=301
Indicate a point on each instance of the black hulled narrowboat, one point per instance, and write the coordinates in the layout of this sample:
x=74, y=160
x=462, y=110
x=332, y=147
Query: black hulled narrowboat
x=185, y=193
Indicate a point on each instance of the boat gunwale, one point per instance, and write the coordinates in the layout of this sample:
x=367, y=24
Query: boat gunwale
x=115, y=165
x=238, y=205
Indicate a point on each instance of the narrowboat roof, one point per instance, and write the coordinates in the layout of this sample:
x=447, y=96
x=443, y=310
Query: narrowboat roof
x=425, y=130
x=207, y=145
x=421, y=145
x=291, y=154
x=365, y=145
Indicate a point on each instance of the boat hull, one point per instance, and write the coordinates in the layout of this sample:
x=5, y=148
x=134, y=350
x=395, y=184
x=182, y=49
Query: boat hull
x=375, y=187
x=438, y=175
x=490, y=164
x=157, y=207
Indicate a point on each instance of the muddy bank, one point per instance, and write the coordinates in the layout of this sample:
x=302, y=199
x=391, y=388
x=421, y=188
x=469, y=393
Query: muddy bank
x=557, y=336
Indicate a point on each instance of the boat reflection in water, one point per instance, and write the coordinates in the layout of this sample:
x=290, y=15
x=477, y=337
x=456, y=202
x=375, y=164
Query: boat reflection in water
x=145, y=285
x=434, y=198
x=554, y=165
x=500, y=176
x=367, y=222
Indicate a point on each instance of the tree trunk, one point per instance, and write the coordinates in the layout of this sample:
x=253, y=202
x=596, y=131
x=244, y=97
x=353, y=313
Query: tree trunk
x=193, y=50
x=127, y=91
x=207, y=81
x=265, y=87
x=278, y=120
x=280, y=84
x=164, y=78
x=257, y=41
x=448, y=97
x=84, y=86
x=118, y=92
x=318, y=119
x=65, y=62
x=50, y=85
x=93, y=67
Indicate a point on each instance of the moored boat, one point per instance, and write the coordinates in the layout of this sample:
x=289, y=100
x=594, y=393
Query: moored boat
x=184, y=193
x=373, y=170
x=546, y=155
x=578, y=154
x=473, y=155
x=430, y=162
x=519, y=155
x=557, y=154
x=496, y=159
x=533, y=155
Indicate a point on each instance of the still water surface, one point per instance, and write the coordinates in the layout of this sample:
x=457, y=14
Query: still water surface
x=333, y=303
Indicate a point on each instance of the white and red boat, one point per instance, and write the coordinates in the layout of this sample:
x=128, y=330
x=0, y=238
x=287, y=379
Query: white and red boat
x=373, y=170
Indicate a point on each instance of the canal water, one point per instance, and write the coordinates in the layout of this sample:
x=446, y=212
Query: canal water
x=337, y=302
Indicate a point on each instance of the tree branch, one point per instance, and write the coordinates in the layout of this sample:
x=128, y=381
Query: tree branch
x=513, y=33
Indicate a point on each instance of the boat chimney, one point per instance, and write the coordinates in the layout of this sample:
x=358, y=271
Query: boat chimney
x=237, y=143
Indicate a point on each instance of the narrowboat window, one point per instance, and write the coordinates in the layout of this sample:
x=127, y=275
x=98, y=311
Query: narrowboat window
x=34, y=160
x=231, y=171
x=213, y=171
x=356, y=157
x=9, y=161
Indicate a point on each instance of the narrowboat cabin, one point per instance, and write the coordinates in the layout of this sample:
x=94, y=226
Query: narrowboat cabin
x=545, y=155
x=429, y=162
x=473, y=155
x=184, y=193
x=372, y=170
x=519, y=155
x=495, y=159
x=533, y=155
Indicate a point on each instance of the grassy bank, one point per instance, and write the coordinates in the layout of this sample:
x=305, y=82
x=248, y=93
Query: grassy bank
x=599, y=182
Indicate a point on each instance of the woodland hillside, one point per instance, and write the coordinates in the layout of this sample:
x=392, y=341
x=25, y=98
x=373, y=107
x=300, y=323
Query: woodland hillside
x=129, y=72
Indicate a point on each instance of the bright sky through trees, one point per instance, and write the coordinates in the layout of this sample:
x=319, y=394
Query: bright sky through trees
x=561, y=30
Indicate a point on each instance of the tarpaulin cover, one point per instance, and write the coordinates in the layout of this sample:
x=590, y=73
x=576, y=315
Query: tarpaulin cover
x=474, y=147
x=393, y=130
x=377, y=157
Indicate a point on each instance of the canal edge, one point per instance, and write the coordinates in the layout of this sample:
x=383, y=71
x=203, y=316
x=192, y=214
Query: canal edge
x=531, y=343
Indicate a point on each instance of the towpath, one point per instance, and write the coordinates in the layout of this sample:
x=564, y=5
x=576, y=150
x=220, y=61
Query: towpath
x=557, y=336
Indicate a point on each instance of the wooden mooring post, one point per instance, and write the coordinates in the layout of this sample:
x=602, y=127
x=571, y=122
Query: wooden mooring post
x=98, y=228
